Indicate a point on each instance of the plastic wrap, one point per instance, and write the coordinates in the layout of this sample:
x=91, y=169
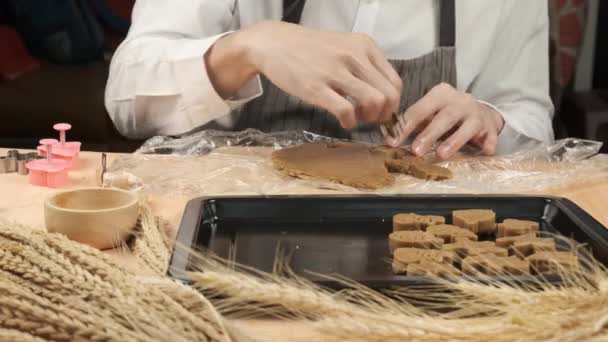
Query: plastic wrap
x=203, y=142
x=212, y=163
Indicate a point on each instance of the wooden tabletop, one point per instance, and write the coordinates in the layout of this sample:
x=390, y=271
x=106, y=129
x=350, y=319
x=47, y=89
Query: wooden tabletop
x=23, y=203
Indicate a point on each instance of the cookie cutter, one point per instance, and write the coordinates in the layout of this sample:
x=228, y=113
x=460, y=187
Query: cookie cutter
x=62, y=149
x=14, y=161
x=393, y=129
x=5, y=164
x=48, y=172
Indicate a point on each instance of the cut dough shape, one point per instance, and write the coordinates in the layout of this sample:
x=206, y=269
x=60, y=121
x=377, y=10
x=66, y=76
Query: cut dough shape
x=415, y=222
x=406, y=256
x=492, y=250
x=429, y=268
x=450, y=233
x=403, y=165
x=524, y=248
x=479, y=221
x=552, y=262
x=463, y=247
x=508, y=241
x=429, y=171
x=512, y=227
x=357, y=165
x=391, y=152
x=495, y=265
x=413, y=239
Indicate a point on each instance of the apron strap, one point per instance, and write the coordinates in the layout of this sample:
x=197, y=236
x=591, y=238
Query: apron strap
x=292, y=10
x=447, y=23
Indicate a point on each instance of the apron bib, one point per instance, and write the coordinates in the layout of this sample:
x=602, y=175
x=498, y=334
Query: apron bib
x=276, y=110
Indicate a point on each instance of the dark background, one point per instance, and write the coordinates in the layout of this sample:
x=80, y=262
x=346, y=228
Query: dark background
x=54, y=58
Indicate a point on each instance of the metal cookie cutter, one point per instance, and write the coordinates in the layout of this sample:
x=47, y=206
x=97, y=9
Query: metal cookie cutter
x=394, y=128
x=5, y=164
x=8, y=163
x=15, y=162
x=25, y=158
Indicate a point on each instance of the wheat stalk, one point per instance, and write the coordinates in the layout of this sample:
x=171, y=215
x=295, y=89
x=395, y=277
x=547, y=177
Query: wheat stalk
x=56, y=289
x=477, y=308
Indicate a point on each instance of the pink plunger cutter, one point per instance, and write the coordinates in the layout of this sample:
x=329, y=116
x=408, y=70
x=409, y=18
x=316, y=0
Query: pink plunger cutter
x=65, y=150
x=49, y=172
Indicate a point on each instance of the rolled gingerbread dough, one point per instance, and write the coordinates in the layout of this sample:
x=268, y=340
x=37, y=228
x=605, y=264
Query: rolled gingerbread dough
x=351, y=164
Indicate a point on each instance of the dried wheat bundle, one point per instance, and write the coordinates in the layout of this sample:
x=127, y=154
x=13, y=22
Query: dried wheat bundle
x=55, y=289
x=473, y=308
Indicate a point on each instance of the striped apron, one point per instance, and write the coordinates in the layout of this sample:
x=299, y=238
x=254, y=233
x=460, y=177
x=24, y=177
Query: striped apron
x=276, y=110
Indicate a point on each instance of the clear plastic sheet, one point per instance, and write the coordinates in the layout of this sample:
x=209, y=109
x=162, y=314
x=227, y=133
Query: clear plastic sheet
x=212, y=163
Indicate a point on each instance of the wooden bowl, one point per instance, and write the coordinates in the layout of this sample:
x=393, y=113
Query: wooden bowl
x=99, y=217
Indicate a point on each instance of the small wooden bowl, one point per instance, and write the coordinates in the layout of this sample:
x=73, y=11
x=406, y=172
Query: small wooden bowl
x=99, y=217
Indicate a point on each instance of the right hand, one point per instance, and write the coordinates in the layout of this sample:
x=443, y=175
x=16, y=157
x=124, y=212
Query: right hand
x=323, y=68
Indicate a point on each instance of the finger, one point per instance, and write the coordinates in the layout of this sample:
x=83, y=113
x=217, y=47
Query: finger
x=336, y=104
x=374, y=78
x=489, y=144
x=469, y=129
x=425, y=108
x=368, y=73
x=442, y=123
x=370, y=102
x=388, y=71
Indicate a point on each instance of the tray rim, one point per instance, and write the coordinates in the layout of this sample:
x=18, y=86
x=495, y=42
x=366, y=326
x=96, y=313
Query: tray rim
x=192, y=212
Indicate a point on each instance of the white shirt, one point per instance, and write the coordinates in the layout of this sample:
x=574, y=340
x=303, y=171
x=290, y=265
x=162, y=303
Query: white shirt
x=158, y=82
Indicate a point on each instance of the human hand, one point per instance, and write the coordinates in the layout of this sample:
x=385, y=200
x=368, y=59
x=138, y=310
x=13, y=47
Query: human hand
x=459, y=117
x=325, y=68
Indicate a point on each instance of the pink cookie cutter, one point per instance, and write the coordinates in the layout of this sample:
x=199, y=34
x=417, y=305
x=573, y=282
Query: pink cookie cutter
x=49, y=172
x=62, y=149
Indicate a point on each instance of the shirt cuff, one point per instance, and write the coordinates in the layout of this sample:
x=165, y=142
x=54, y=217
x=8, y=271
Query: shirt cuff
x=250, y=91
x=509, y=139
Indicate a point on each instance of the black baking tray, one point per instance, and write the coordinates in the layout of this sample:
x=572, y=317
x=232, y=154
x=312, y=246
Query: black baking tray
x=348, y=235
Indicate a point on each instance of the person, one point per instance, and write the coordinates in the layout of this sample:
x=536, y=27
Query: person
x=459, y=71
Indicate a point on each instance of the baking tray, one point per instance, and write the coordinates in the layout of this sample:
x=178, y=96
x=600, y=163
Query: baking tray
x=348, y=235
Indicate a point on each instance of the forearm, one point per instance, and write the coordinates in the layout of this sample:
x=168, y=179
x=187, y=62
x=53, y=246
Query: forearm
x=229, y=64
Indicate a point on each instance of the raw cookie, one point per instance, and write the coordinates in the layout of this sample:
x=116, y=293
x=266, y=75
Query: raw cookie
x=403, y=165
x=406, y=256
x=415, y=239
x=495, y=265
x=508, y=241
x=552, y=262
x=492, y=250
x=450, y=233
x=344, y=163
x=524, y=248
x=463, y=247
x=512, y=227
x=479, y=221
x=391, y=152
x=415, y=222
x=418, y=168
x=430, y=268
x=425, y=170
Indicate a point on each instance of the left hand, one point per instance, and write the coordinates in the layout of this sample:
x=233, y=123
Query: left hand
x=446, y=111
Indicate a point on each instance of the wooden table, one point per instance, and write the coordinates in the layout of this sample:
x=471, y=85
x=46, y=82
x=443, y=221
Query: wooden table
x=23, y=203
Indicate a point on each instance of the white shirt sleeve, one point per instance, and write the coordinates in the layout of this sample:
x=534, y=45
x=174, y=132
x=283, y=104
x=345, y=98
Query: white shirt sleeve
x=515, y=78
x=158, y=82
